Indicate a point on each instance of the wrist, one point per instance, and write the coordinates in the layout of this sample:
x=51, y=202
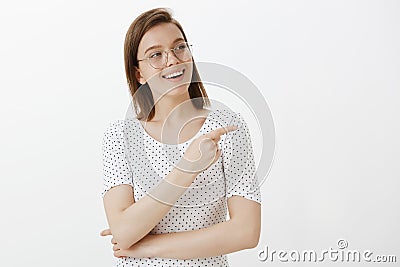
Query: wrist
x=185, y=168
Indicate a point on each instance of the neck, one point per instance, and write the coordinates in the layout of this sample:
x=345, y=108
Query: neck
x=175, y=107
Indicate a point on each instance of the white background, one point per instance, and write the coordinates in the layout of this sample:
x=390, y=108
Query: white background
x=328, y=69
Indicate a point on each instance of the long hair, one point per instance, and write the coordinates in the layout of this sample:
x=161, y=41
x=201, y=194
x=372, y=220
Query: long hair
x=143, y=99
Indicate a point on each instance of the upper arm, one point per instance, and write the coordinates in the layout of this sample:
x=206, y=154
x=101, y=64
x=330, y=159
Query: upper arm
x=247, y=215
x=117, y=191
x=242, y=185
x=239, y=164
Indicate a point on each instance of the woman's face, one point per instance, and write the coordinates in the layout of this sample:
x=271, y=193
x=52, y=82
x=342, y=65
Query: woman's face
x=174, y=77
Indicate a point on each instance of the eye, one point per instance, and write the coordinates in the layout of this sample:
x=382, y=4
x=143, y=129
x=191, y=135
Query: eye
x=182, y=46
x=155, y=54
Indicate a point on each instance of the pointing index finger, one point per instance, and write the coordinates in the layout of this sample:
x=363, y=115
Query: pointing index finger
x=215, y=134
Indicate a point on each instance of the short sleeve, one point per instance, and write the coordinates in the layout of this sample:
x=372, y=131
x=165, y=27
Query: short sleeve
x=116, y=170
x=238, y=162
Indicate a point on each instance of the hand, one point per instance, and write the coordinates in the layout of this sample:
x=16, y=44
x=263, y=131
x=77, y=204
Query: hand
x=203, y=151
x=141, y=249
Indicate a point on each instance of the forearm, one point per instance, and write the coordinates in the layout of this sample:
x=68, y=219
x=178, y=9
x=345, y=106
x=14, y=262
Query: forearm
x=141, y=217
x=219, y=239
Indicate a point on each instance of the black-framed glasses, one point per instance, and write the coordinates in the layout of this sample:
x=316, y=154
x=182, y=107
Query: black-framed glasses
x=159, y=59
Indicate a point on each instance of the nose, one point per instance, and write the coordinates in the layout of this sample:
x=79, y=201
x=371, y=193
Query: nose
x=171, y=58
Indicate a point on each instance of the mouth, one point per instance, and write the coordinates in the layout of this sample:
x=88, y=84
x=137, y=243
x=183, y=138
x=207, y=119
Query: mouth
x=174, y=75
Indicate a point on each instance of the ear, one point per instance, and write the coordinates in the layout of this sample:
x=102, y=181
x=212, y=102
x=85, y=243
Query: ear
x=139, y=76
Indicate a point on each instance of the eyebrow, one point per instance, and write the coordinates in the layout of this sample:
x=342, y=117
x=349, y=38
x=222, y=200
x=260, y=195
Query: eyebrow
x=158, y=46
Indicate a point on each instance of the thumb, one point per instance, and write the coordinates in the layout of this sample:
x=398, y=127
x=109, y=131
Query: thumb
x=105, y=232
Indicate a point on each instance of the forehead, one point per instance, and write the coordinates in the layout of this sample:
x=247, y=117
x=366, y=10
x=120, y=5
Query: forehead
x=163, y=34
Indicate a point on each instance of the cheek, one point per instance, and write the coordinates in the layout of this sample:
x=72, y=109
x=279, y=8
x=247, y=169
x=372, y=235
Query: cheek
x=150, y=74
x=155, y=81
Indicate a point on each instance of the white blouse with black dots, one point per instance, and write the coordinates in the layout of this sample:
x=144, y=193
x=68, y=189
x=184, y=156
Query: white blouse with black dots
x=131, y=156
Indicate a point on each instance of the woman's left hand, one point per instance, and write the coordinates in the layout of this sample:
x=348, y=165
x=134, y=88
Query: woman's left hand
x=141, y=249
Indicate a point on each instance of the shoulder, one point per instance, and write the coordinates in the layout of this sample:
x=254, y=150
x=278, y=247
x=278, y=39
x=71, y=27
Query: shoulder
x=114, y=126
x=122, y=125
x=117, y=128
x=225, y=116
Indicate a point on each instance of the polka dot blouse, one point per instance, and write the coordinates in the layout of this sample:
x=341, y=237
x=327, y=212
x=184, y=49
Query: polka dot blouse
x=131, y=156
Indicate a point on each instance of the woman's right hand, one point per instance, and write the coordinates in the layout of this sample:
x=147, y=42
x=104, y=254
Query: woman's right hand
x=203, y=151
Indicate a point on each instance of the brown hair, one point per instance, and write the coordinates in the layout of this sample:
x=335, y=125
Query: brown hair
x=143, y=99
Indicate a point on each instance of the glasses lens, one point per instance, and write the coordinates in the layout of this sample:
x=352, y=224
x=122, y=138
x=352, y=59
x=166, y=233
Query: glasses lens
x=157, y=60
x=182, y=52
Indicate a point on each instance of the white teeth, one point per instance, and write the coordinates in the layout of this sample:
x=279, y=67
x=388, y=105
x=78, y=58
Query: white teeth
x=173, y=75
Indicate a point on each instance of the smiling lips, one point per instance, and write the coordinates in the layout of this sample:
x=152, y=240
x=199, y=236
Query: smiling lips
x=174, y=75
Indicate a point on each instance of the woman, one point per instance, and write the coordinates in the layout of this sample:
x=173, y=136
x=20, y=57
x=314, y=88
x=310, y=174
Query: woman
x=164, y=209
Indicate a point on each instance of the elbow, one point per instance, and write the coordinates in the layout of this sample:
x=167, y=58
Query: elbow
x=252, y=236
x=253, y=241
